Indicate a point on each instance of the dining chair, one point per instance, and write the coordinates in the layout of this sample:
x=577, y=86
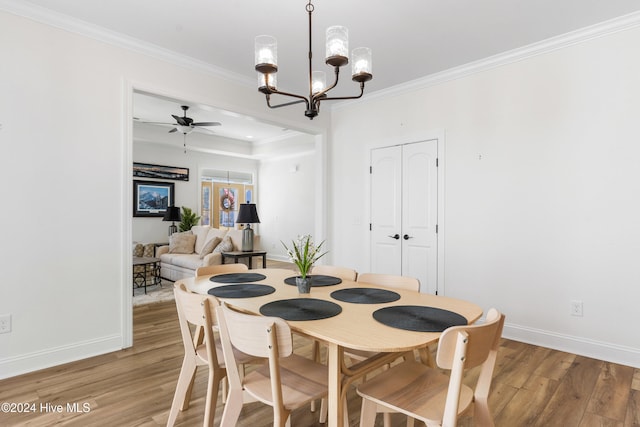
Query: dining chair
x=427, y=394
x=331, y=270
x=286, y=382
x=390, y=281
x=220, y=269
x=201, y=348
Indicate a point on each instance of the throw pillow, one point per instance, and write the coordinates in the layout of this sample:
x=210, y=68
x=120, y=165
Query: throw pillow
x=225, y=246
x=209, y=246
x=138, y=249
x=182, y=243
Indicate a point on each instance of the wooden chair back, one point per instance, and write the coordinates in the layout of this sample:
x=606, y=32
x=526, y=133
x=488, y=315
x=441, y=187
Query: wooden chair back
x=220, y=269
x=197, y=310
x=390, y=281
x=199, y=350
x=465, y=347
x=332, y=270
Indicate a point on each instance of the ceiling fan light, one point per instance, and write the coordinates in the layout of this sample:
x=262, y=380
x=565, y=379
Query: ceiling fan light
x=337, y=46
x=184, y=129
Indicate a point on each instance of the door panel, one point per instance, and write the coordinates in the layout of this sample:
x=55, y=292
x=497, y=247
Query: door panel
x=419, y=213
x=386, y=209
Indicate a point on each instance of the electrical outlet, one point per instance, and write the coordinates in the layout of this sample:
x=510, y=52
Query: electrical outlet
x=5, y=323
x=576, y=308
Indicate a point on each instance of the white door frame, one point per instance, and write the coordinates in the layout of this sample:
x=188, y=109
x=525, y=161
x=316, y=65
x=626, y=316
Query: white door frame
x=438, y=135
x=126, y=220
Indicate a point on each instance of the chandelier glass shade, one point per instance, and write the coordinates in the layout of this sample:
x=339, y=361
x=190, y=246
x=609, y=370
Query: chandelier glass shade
x=336, y=56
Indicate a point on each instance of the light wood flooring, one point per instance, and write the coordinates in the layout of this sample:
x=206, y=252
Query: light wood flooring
x=533, y=386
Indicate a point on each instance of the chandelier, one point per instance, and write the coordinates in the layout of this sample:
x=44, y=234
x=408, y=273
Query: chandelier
x=337, y=55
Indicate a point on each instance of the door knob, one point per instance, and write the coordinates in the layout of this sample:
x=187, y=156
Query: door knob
x=407, y=237
x=395, y=236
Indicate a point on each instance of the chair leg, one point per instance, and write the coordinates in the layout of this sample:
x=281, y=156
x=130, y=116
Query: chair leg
x=368, y=413
x=212, y=397
x=232, y=409
x=182, y=394
x=482, y=414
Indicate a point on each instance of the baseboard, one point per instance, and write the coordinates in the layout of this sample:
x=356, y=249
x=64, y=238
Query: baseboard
x=13, y=366
x=281, y=258
x=585, y=347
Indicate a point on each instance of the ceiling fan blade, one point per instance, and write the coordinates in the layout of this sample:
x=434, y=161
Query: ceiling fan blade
x=173, y=130
x=157, y=123
x=207, y=124
x=181, y=120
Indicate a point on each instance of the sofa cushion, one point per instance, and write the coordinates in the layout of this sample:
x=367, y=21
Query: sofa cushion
x=192, y=261
x=182, y=243
x=200, y=231
x=210, y=246
x=225, y=246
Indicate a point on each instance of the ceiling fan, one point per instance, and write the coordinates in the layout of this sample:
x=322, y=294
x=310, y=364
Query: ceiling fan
x=186, y=125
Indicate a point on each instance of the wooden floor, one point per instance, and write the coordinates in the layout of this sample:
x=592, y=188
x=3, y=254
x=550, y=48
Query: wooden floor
x=532, y=386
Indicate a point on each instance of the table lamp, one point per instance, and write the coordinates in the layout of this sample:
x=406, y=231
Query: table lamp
x=247, y=215
x=172, y=214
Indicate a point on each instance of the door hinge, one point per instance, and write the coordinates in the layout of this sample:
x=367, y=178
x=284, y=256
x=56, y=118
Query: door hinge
x=370, y=227
x=437, y=163
x=436, y=228
x=370, y=169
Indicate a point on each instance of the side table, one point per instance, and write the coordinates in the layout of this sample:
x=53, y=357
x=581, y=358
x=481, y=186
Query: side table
x=236, y=255
x=151, y=267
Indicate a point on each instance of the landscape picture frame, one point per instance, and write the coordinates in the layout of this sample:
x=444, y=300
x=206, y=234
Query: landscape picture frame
x=151, y=198
x=148, y=170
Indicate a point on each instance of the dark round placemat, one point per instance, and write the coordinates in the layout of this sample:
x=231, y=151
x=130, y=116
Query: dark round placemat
x=241, y=290
x=316, y=280
x=238, y=278
x=418, y=318
x=365, y=295
x=301, y=309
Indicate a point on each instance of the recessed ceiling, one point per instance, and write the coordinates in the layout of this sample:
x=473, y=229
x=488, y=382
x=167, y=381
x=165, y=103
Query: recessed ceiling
x=153, y=116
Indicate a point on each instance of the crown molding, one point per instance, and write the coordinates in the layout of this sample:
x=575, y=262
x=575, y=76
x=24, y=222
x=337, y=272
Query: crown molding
x=582, y=35
x=77, y=26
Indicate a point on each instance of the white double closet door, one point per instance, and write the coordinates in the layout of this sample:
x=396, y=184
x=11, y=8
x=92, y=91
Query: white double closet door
x=404, y=212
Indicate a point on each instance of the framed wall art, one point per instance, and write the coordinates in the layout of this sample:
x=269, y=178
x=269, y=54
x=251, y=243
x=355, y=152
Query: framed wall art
x=147, y=170
x=151, y=198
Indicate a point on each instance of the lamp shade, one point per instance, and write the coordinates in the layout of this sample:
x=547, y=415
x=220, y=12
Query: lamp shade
x=248, y=214
x=172, y=214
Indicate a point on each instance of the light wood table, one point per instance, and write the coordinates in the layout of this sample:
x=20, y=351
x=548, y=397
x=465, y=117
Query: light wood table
x=353, y=328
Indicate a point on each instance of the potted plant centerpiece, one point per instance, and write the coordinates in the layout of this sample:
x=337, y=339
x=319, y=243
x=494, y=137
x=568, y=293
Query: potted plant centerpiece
x=304, y=253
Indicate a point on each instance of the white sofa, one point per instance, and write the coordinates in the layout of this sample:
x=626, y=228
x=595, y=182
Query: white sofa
x=186, y=253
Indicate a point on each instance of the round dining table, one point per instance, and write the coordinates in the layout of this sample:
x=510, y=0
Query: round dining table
x=341, y=325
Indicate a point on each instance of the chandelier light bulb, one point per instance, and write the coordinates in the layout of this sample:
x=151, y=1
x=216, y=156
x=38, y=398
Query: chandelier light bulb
x=266, y=54
x=361, y=67
x=318, y=81
x=337, y=46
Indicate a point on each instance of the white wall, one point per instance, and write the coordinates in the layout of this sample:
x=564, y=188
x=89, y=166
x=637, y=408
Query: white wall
x=541, y=197
x=287, y=206
x=65, y=181
x=187, y=193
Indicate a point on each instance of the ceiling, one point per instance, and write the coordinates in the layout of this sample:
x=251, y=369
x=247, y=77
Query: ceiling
x=410, y=39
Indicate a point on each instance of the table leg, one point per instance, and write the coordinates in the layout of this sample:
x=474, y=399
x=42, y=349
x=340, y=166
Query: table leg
x=264, y=261
x=335, y=416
